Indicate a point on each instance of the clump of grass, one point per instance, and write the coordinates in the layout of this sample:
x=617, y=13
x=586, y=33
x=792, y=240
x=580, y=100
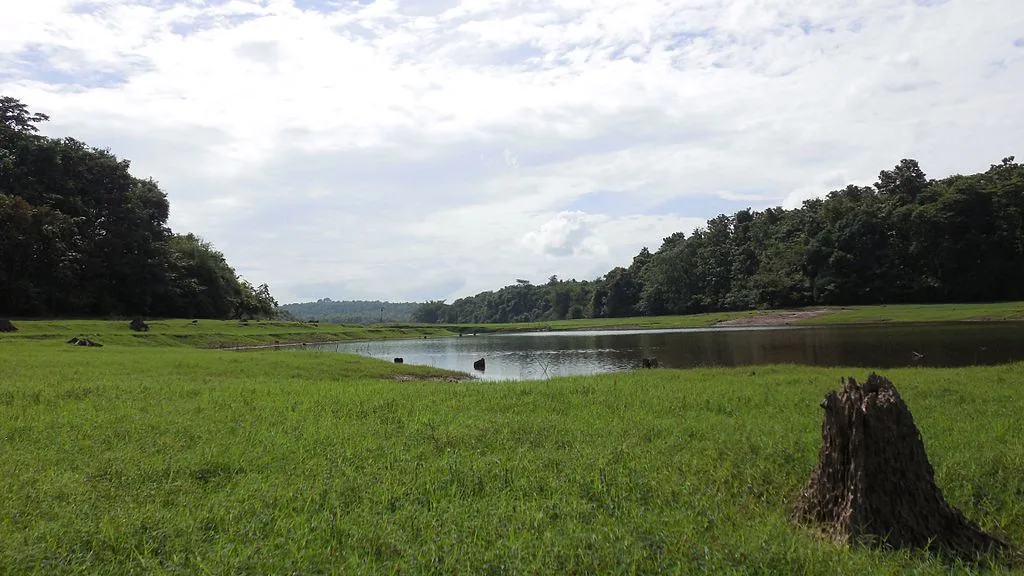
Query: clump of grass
x=126, y=460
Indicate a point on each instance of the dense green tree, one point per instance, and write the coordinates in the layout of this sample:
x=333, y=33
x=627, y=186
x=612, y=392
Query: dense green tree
x=351, y=311
x=82, y=236
x=430, y=312
x=906, y=239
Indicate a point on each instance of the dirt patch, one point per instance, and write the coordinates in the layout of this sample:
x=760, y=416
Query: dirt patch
x=775, y=317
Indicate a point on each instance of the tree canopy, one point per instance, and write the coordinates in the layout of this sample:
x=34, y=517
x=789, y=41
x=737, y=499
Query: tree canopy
x=907, y=239
x=81, y=236
x=351, y=311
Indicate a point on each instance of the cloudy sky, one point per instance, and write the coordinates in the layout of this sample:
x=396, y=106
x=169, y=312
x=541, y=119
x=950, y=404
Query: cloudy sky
x=414, y=149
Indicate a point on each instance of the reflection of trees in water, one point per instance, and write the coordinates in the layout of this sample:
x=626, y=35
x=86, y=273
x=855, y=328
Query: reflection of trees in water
x=551, y=355
x=551, y=363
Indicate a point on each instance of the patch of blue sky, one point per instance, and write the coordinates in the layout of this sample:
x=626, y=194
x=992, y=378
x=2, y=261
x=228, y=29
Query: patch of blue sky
x=98, y=6
x=187, y=28
x=683, y=39
x=87, y=8
x=514, y=55
x=619, y=53
x=425, y=7
x=37, y=64
x=328, y=6
x=706, y=205
x=1019, y=42
x=810, y=28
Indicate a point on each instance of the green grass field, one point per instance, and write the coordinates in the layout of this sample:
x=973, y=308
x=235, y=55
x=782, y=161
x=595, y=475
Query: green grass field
x=830, y=315
x=222, y=333
x=637, y=322
x=134, y=459
x=211, y=333
x=922, y=313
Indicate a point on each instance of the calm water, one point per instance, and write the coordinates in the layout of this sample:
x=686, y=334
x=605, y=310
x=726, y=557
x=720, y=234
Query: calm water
x=547, y=354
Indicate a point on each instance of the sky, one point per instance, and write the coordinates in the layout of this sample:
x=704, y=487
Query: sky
x=433, y=149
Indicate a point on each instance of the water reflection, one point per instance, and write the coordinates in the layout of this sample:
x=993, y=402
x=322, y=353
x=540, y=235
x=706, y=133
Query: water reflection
x=546, y=354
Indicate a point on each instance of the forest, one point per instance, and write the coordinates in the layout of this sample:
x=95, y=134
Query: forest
x=907, y=239
x=81, y=236
x=350, y=311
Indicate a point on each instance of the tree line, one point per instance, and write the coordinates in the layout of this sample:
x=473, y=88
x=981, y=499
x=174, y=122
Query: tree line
x=350, y=311
x=906, y=239
x=81, y=236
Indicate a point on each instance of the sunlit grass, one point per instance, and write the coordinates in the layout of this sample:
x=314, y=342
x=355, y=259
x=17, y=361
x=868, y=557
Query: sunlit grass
x=829, y=315
x=921, y=313
x=637, y=322
x=211, y=333
x=140, y=460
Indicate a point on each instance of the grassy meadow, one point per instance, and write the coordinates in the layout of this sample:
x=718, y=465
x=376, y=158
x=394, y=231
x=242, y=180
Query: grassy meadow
x=828, y=315
x=212, y=333
x=132, y=459
x=636, y=322
x=997, y=311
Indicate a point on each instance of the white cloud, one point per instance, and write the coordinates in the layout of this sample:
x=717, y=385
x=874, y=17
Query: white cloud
x=568, y=233
x=436, y=148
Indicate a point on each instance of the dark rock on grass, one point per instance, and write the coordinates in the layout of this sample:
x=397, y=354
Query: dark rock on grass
x=84, y=342
x=6, y=326
x=873, y=483
x=138, y=325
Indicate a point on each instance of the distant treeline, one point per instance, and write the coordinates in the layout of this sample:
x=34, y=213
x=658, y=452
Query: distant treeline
x=907, y=239
x=351, y=311
x=81, y=236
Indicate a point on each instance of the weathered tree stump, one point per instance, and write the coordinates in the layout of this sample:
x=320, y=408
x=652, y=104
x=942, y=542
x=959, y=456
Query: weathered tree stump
x=873, y=483
x=138, y=325
x=6, y=326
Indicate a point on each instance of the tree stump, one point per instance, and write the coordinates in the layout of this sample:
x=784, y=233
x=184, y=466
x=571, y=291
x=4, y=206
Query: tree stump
x=6, y=326
x=138, y=325
x=873, y=482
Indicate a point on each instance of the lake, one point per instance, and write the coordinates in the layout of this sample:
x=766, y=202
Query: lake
x=540, y=355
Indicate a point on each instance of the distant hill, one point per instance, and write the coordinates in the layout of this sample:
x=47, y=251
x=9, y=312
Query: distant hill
x=351, y=311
